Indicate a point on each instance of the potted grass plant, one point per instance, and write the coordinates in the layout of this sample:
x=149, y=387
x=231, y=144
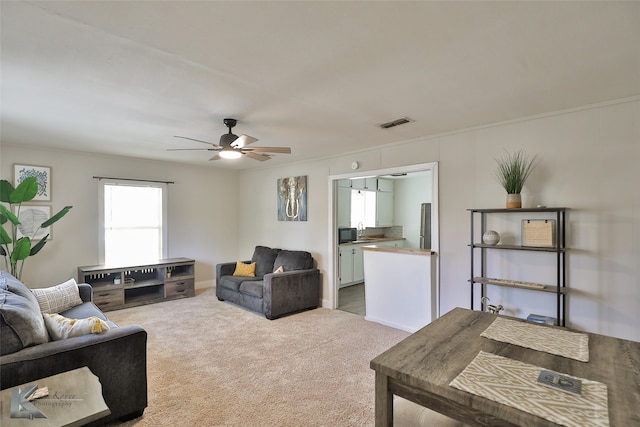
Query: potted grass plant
x=512, y=172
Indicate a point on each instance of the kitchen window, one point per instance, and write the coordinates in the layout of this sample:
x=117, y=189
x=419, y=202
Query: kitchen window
x=363, y=208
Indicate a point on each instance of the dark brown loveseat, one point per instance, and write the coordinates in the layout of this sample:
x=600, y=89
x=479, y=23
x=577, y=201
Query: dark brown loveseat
x=274, y=294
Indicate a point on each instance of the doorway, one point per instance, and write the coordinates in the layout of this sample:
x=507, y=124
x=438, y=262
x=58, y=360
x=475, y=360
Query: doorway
x=413, y=185
x=351, y=299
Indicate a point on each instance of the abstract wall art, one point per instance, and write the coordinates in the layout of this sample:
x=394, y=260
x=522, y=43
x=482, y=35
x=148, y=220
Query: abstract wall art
x=292, y=198
x=42, y=175
x=31, y=218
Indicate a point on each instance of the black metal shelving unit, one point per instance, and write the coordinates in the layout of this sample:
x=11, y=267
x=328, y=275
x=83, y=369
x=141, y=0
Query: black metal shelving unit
x=559, y=249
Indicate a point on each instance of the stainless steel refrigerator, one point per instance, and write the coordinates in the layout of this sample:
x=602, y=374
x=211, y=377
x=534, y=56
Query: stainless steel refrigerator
x=425, y=226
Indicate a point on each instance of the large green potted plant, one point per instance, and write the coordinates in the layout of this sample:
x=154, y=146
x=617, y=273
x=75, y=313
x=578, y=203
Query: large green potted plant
x=14, y=250
x=513, y=170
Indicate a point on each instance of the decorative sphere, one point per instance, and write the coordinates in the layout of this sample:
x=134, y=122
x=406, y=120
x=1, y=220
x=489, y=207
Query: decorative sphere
x=491, y=238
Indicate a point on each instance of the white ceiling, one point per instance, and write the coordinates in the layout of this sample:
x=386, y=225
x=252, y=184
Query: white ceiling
x=123, y=77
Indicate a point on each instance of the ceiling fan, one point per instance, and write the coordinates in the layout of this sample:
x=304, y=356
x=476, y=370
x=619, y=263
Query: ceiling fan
x=233, y=147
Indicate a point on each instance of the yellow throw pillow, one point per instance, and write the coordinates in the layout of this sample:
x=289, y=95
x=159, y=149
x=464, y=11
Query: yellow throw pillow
x=246, y=270
x=61, y=327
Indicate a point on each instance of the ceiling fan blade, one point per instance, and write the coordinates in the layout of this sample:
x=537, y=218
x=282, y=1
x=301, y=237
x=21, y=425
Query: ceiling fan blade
x=243, y=140
x=283, y=150
x=191, y=149
x=256, y=156
x=216, y=157
x=197, y=140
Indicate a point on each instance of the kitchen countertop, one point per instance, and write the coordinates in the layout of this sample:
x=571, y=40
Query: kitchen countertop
x=373, y=240
x=398, y=250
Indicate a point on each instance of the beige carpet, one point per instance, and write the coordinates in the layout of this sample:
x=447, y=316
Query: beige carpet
x=215, y=364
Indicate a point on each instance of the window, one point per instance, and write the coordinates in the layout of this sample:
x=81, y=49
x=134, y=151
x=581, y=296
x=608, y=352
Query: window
x=133, y=228
x=363, y=208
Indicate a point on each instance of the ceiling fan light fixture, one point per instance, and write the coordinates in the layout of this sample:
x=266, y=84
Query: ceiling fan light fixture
x=230, y=154
x=233, y=146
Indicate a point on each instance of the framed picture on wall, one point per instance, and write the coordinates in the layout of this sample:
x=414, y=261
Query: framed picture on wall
x=31, y=217
x=292, y=198
x=42, y=174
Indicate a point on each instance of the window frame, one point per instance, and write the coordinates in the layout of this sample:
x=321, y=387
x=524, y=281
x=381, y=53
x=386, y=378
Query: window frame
x=131, y=183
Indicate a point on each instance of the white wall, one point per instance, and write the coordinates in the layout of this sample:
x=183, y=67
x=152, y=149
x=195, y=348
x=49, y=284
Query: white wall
x=258, y=213
x=408, y=194
x=202, y=210
x=588, y=163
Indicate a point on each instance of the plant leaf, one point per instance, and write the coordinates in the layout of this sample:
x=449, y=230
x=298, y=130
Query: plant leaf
x=4, y=237
x=2, y=252
x=7, y=214
x=513, y=170
x=5, y=190
x=56, y=217
x=24, y=192
x=21, y=249
x=38, y=246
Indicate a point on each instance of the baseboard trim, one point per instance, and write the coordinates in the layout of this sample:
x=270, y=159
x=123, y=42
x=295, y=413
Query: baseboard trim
x=205, y=284
x=390, y=324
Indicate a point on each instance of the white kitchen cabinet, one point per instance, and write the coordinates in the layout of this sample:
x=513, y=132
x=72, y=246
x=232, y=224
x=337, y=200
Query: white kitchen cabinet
x=358, y=264
x=344, y=206
x=346, y=264
x=385, y=185
x=351, y=264
x=357, y=184
x=371, y=202
x=384, y=209
x=369, y=184
x=372, y=208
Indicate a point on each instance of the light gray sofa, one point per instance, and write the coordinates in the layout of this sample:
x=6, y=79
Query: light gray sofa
x=296, y=289
x=118, y=357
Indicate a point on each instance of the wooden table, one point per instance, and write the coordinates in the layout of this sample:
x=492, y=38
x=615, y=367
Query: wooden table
x=420, y=368
x=75, y=399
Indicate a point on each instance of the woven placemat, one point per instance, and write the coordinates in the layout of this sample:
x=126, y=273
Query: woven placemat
x=573, y=345
x=514, y=384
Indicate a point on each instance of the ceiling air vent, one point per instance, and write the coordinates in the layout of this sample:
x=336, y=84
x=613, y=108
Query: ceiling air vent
x=395, y=123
